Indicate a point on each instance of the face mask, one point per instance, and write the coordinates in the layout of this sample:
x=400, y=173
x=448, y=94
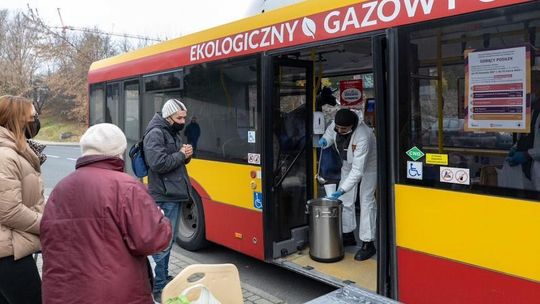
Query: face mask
x=32, y=128
x=348, y=132
x=176, y=127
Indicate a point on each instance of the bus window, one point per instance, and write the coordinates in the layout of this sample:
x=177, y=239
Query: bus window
x=223, y=98
x=158, y=89
x=434, y=118
x=97, y=97
x=112, y=104
x=131, y=114
x=165, y=81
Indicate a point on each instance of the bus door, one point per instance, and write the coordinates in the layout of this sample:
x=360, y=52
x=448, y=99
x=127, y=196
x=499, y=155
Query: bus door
x=290, y=173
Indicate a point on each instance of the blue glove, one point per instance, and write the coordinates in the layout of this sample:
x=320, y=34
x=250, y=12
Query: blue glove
x=517, y=158
x=322, y=142
x=337, y=194
x=512, y=151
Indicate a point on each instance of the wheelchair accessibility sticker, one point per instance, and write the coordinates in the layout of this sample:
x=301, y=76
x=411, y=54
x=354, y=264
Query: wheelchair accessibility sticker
x=414, y=170
x=257, y=200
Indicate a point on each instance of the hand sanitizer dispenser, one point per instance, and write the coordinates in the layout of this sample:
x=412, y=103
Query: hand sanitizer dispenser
x=318, y=123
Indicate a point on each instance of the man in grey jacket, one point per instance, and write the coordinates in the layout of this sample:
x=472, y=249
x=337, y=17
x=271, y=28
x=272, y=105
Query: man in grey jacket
x=168, y=180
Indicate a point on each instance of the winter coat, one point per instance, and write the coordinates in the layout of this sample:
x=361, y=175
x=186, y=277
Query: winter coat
x=193, y=131
x=21, y=198
x=98, y=227
x=168, y=180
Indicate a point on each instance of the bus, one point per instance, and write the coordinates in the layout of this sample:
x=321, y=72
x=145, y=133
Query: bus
x=451, y=90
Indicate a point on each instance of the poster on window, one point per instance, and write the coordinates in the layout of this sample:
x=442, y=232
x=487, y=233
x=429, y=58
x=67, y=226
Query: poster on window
x=351, y=93
x=497, y=90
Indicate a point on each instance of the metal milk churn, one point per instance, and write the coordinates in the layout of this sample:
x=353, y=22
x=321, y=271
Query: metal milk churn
x=325, y=231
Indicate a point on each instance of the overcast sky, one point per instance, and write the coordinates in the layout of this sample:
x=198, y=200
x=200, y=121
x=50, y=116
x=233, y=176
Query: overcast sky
x=153, y=18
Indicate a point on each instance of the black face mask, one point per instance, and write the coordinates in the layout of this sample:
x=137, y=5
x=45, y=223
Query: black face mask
x=32, y=128
x=176, y=127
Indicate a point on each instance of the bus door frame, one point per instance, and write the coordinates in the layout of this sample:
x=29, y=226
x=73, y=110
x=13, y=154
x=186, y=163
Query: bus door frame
x=269, y=65
x=384, y=72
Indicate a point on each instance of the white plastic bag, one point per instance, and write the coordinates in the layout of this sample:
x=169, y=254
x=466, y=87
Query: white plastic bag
x=205, y=296
x=513, y=177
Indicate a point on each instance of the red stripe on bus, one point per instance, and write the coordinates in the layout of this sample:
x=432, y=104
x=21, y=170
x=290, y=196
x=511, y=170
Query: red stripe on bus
x=234, y=227
x=200, y=190
x=154, y=63
x=344, y=21
x=425, y=278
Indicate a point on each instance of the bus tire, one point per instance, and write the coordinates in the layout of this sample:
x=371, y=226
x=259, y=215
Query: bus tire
x=191, y=232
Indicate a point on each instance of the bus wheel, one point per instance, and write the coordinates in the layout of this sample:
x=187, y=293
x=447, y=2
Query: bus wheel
x=191, y=233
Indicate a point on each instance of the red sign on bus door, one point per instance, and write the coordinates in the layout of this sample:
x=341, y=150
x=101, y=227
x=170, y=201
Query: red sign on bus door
x=351, y=93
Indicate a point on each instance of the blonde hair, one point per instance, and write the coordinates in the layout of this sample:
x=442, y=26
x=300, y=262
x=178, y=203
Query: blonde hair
x=14, y=113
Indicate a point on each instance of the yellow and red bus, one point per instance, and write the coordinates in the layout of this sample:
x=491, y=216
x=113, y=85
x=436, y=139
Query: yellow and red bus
x=453, y=85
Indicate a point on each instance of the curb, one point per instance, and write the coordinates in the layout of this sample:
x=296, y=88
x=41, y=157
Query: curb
x=57, y=143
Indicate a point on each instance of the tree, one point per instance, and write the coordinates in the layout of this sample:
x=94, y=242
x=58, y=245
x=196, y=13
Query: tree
x=68, y=56
x=18, y=57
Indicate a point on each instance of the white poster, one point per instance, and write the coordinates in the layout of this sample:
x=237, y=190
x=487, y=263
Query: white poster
x=496, y=94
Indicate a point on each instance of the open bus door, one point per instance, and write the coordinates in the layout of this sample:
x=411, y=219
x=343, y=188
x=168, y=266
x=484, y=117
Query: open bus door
x=288, y=167
x=290, y=159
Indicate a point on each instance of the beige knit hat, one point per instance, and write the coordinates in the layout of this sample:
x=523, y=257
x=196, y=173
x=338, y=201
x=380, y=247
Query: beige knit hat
x=172, y=106
x=103, y=139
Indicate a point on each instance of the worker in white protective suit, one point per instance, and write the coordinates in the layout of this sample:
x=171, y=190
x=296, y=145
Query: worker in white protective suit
x=355, y=142
x=526, y=152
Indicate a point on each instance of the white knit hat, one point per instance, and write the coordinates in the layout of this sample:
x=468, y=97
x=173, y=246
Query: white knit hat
x=172, y=106
x=103, y=139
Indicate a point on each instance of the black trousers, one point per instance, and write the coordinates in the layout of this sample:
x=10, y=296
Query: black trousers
x=19, y=281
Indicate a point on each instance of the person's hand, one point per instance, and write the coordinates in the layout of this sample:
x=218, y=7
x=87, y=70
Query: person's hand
x=337, y=194
x=517, y=158
x=187, y=150
x=322, y=142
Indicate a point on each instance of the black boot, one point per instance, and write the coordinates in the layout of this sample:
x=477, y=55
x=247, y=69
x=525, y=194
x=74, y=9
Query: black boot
x=348, y=239
x=367, y=251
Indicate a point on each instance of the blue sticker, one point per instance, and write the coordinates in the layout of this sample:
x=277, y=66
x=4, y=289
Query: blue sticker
x=257, y=200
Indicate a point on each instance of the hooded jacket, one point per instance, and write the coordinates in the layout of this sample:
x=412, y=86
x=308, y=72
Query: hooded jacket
x=97, y=229
x=168, y=180
x=21, y=198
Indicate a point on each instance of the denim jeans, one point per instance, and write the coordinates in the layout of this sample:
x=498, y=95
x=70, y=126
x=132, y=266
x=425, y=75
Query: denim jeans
x=172, y=212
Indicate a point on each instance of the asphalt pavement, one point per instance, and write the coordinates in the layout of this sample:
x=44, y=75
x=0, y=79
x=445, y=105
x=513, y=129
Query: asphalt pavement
x=60, y=162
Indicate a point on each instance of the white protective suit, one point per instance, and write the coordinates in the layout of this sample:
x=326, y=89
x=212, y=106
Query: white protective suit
x=360, y=167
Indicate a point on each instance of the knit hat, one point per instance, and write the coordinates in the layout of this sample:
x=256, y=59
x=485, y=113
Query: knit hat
x=172, y=106
x=345, y=118
x=103, y=139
